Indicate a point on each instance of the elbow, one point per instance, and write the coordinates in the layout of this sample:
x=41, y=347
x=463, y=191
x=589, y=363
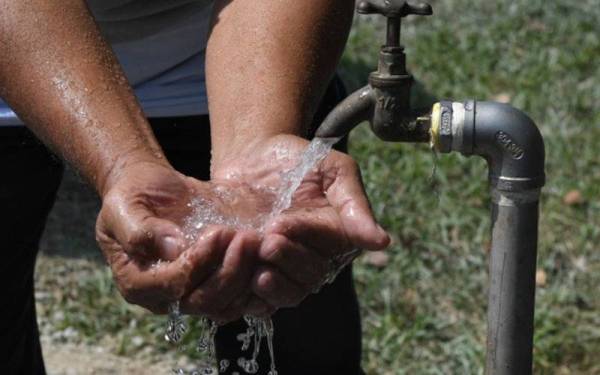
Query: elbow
x=503, y=135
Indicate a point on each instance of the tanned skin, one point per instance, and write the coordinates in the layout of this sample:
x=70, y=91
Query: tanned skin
x=268, y=63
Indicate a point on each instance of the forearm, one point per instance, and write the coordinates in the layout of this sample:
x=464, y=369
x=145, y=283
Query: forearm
x=268, y=63
x=63, y=80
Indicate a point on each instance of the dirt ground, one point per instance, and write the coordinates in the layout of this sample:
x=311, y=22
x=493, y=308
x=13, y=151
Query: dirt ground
x=79, y=359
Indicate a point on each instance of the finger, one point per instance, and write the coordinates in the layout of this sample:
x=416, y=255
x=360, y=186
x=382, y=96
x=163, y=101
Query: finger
x=149, y=285
x=207, y=253
x=276, y=289
x=229, y=280
x=345, y=192
x=323, y=233
x=232, y=312
x=257, y=307
x=297, y=262
x=158, y=309
x=139, y=231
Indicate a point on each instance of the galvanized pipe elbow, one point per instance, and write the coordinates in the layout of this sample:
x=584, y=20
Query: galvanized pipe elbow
x=505, y=136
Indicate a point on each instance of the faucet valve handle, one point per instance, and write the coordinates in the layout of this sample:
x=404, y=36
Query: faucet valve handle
x=394, y=10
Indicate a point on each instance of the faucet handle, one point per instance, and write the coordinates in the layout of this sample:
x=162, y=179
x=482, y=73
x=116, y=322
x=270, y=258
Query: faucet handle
x=393, y=8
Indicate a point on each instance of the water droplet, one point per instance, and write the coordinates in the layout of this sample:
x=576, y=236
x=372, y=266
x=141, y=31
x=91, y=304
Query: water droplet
x=176, y=326
x=251, y=366
x=203, y=344
x=223, y=365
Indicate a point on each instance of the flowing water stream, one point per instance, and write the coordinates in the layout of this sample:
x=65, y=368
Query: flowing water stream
x=205, y=213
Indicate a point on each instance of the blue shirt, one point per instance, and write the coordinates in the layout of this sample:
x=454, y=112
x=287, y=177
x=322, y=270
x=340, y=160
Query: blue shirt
x=160, y=45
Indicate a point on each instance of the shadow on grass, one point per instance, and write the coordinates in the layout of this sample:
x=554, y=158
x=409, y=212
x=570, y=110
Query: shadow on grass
x=70, y=227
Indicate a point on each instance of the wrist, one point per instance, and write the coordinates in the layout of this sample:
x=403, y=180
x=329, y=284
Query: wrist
x=256, y=154
x=230, y=158
x=126, y=161
x=236, y=136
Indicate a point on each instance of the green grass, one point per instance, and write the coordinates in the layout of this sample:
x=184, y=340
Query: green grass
x=424, y=313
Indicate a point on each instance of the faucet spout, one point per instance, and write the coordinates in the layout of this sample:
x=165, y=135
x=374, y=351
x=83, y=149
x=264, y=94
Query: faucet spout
x=353, y=110
x=385, y=108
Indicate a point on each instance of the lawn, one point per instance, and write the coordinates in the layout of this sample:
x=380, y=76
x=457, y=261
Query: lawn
x=424, y=307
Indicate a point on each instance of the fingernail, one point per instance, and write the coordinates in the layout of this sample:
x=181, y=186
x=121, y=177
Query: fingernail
x=171, y=247
x=384, y=234
x=382, y=231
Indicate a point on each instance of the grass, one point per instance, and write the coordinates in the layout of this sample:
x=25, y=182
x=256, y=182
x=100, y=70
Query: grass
x=424, y=313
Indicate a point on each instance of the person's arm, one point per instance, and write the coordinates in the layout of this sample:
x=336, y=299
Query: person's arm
x=63, y=80
x=268, y=64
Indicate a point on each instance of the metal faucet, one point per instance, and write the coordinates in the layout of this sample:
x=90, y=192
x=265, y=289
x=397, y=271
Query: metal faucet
x=385, y=101
x=513, y=147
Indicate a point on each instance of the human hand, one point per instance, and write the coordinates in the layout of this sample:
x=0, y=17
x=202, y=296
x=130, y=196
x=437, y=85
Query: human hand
x=139, y=230
x=329, y=217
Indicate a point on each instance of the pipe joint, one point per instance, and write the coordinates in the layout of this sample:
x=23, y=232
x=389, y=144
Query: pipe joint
x=503, y=135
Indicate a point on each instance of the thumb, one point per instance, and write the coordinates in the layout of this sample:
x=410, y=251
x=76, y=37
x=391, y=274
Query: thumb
x=347, y=195
x=139, y=231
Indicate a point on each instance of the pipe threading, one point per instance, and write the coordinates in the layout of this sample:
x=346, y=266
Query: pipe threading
x=434, y=131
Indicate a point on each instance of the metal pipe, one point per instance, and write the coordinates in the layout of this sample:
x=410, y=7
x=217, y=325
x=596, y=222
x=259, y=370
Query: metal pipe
x=386, y=108
x=353, y=110
x=393, y=31
x=514, y=149
x=511, y=295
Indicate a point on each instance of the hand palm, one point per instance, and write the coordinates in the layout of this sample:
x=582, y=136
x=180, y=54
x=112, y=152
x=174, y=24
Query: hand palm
x=328, y=217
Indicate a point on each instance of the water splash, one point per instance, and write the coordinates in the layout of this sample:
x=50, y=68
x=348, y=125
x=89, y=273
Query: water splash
x=205, y=212
x=176, y=326
x=317, y=150
x=223, y=365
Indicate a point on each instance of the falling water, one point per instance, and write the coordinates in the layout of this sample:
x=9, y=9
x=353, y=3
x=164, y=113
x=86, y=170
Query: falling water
x=432, y=177
x=205, y=212
x=317, y=150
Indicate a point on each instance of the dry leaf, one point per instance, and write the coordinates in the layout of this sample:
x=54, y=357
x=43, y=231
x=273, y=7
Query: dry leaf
x=573, y=197
x=540, y=278
x=502, y=98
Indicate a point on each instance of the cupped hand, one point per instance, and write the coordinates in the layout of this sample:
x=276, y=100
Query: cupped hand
x=139, y=230
x=329, y=218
